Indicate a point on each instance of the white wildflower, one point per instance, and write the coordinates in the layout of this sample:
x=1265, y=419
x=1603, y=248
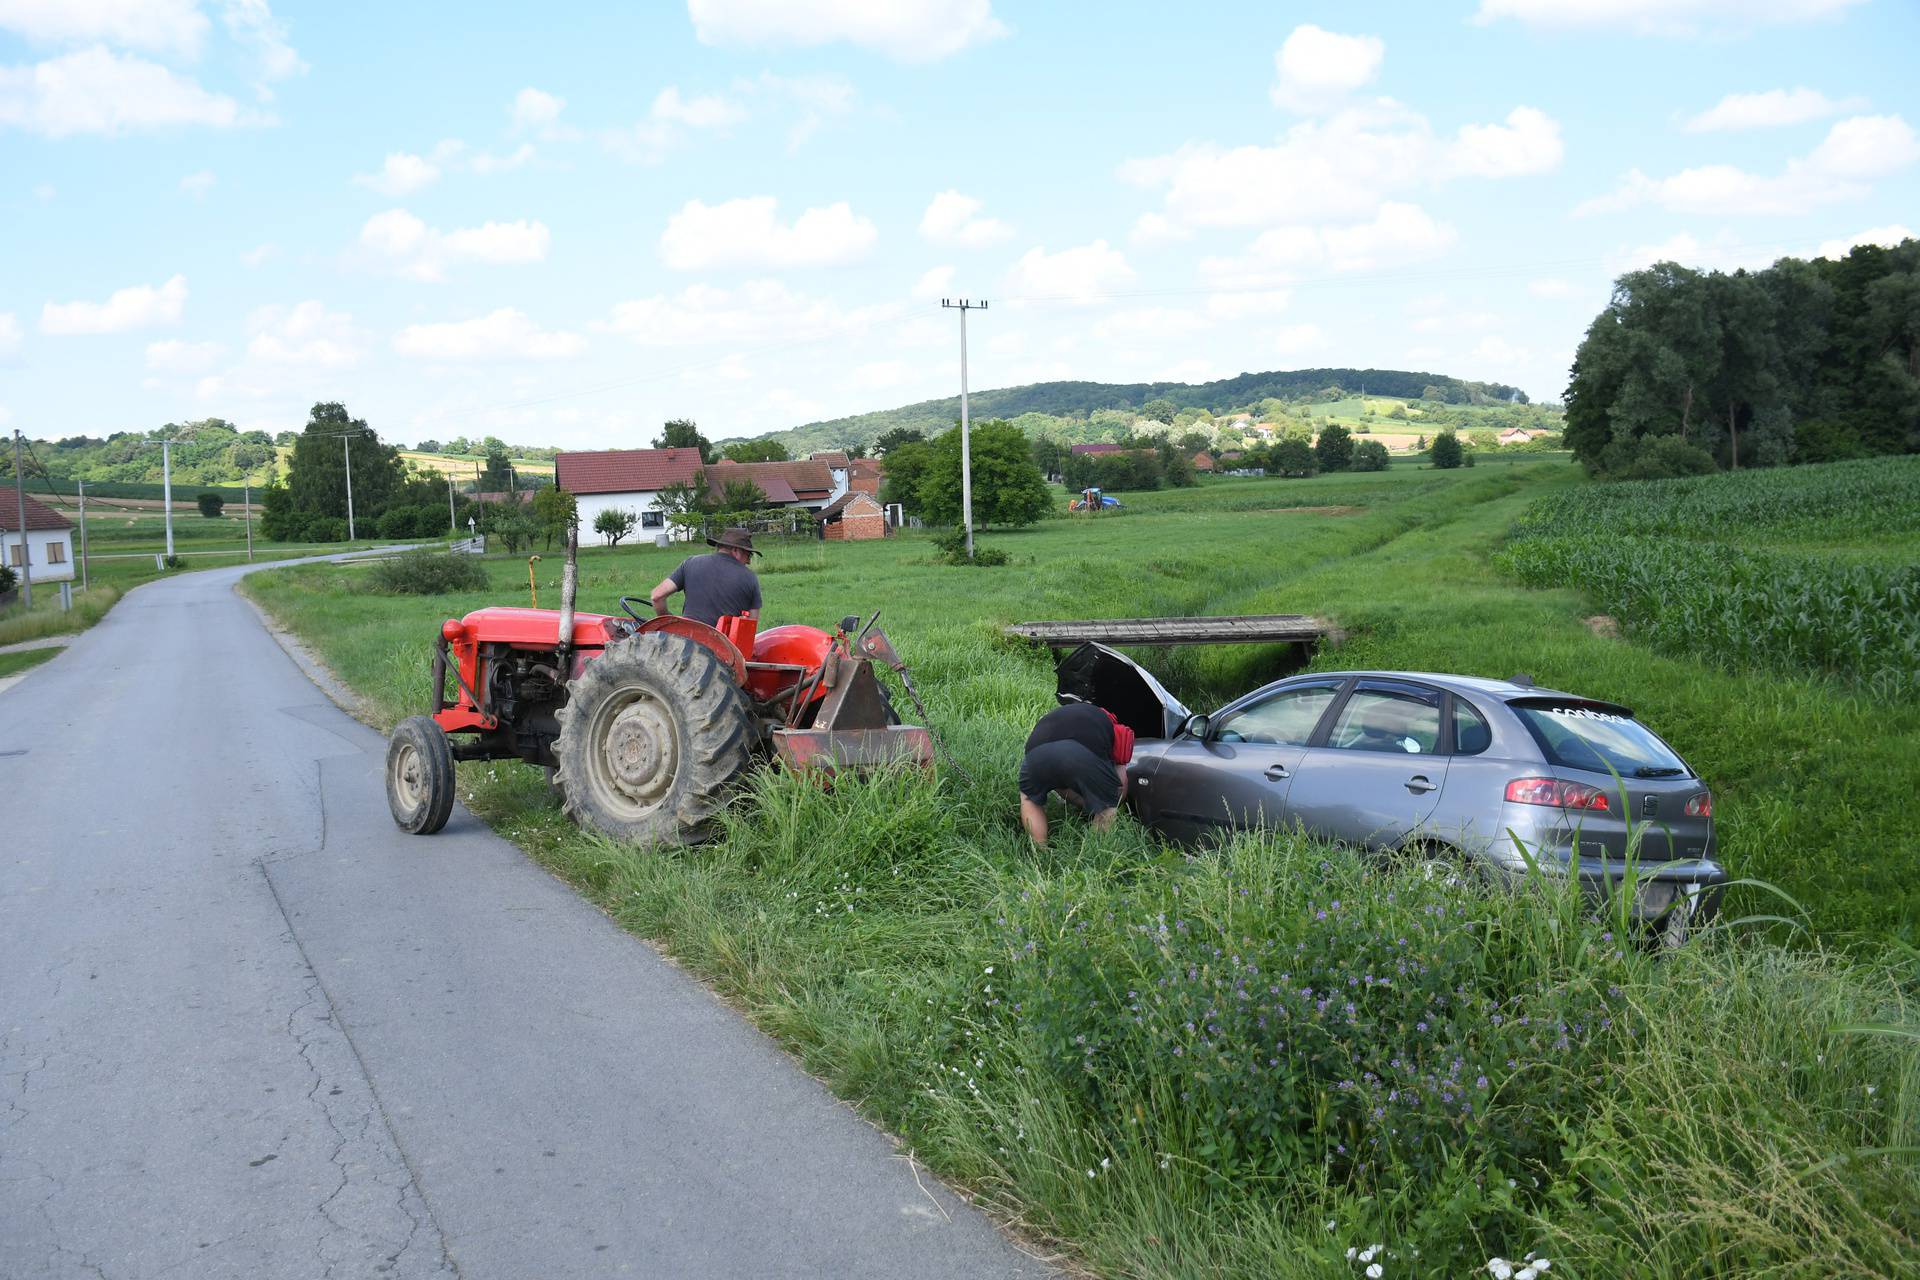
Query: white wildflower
x=1351, y=1250
x=1500, y=1269
x=1375, y=1271
x=1366, y=1255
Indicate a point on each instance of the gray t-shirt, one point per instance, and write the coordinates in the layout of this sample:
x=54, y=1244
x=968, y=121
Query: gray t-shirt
x=716, y=585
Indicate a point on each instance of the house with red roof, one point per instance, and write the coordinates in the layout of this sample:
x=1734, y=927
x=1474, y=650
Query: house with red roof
x=806, y=484
x=46, y=549
x=1096, y=448
x=625, y=480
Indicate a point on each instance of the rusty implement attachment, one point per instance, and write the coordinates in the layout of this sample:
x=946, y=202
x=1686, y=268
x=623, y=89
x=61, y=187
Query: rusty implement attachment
x=852, y=728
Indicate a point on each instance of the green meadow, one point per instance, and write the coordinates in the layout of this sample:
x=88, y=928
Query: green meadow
x=1252, y=1060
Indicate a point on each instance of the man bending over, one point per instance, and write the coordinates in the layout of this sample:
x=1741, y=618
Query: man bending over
x=1081, y=752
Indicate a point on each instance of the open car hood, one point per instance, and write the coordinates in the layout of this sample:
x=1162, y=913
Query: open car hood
x=1094, y=673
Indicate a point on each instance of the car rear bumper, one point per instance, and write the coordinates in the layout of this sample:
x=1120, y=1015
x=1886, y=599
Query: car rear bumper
x=1659, y=885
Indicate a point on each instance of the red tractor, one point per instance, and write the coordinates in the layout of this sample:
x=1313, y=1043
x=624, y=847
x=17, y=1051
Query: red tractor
x=644, y=724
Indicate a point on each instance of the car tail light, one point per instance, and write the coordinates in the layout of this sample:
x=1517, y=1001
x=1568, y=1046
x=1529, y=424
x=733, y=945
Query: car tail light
x=1555, y=793
x=1701, y=806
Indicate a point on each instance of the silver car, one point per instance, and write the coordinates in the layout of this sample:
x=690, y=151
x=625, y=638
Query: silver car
x=1452, y=766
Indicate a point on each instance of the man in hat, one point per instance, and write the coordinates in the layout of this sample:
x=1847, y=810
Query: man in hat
x=719, y=584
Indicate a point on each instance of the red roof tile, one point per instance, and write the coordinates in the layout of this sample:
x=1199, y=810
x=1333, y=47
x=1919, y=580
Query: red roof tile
x=625, y=470
x=832, y=457
x=39, y=515
x=808, y=480
x=772, y=487
x=1097, y=448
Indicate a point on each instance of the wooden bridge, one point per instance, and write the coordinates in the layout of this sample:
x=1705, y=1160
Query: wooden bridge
x=1265, y=628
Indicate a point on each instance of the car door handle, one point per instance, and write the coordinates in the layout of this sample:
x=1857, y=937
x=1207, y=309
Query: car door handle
x=1277, y=773
x=1419, y=784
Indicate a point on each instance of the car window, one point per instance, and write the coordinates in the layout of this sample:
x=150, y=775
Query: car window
x=1286, y=718
x=1471, y=733
x=1389, y=717
x=1600, y=741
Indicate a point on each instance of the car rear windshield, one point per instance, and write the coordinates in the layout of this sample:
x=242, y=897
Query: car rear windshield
x=1582, y=737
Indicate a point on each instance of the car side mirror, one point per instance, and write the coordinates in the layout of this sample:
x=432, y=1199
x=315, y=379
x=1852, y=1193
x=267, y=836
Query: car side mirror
x=1198, y=726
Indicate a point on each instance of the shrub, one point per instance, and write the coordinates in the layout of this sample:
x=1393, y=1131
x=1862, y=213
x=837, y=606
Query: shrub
x=1655, y=458
x=324, y=529
x=1334, y=448
x=210, y=504
x=1370, y=455
x=428, y=573
x=952, y=546
x=7, y=578
x=397, y=523
x=1446, y=452
x=174, y=562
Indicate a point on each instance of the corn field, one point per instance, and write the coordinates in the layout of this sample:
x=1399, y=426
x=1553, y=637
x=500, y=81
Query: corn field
x=1803, y=569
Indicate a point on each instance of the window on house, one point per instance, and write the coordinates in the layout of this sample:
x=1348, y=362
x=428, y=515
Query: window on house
x=56, y=553
x=653, y=520
x=13, y=555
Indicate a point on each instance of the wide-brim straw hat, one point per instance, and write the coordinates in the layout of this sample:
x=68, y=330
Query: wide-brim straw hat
x=734, y=539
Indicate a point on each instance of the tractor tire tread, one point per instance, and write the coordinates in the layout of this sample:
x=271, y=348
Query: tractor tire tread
x=716, y=732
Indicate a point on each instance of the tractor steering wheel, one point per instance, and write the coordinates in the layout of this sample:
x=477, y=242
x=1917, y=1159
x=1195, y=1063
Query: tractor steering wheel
x=626, y=602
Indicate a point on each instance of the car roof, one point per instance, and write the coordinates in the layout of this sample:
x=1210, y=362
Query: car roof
x=1501, y=689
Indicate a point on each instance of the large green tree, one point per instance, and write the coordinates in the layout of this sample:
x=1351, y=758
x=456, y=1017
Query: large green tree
x=1334, y=448
x=1008, y=488
x=317, y=470
x=755, y=451
x=684, y=433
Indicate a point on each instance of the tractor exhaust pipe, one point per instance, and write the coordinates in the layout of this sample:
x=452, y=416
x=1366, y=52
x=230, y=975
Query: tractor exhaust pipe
x=569, y=585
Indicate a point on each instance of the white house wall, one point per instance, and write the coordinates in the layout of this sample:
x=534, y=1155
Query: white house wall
x=38, y=542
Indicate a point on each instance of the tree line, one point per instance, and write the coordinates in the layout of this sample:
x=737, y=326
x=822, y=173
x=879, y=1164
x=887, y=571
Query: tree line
x=1804, y=361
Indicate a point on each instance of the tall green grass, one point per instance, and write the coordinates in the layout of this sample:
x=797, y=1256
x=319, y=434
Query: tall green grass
x=1014, y=1013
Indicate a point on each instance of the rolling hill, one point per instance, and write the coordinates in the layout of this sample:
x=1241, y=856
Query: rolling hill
x=1077, y=399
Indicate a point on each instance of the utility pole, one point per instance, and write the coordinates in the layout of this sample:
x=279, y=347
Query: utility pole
x=452, y=527
x=963, y=306
x=246, y=509
x=20, y=499
x=346, y=443
x=166, y=489
x=83, y=534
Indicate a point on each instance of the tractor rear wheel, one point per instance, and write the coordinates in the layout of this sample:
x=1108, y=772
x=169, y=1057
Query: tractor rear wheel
x=654, y=733
x=419, y=776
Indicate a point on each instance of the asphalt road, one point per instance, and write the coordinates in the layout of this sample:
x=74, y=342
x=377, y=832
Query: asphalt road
x=252, y=1030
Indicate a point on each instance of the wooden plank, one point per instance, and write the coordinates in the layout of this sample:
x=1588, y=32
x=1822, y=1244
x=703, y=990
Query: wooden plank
x=1270, y=628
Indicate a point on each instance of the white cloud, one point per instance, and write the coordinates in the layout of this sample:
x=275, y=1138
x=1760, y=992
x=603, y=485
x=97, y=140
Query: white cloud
x=252, y=25
x=505, y=334
x=137, y=307
x=731, y=367
x=807, y=101
x=1866, y=147
x=668, y=120
x=757, y=311
x=306, y=335
x=402, y=174
x=1661, y=17
x=198, y=184
x=1318, y=68
x=1550, y=287
x=1854, y=150
x=1529, y=142
x=748, y=233
x=97, y=91
x=1341, y=166
x=1886, y=237
x=1452, y=321
x=259, y=255
x=937, y=282
x=173, y=356
x=174, y=27
x=534, y=109
x=486, y=163
x=1150, y=324
x=878, y=375
x=1245, y=303
x=1298, y=339
x=1156, y=228
x=950, y=220
x=1768, y=110
x=1078, y=274
x=1499, y=355
x=1722, y=252
x=1398, y=233
x=906, y=30
x=9, y=333
x=403, y=242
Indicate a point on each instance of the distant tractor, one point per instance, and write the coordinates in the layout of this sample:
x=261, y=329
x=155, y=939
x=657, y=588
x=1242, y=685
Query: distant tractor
x=644, y=724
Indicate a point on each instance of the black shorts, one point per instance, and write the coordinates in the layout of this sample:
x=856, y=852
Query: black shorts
x=1068, y=766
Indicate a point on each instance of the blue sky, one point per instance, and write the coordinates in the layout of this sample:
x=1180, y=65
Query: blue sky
x=564, y=224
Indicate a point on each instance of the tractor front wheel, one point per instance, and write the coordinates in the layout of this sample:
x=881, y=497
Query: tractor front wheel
x=654, y=733
x=419, y=776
